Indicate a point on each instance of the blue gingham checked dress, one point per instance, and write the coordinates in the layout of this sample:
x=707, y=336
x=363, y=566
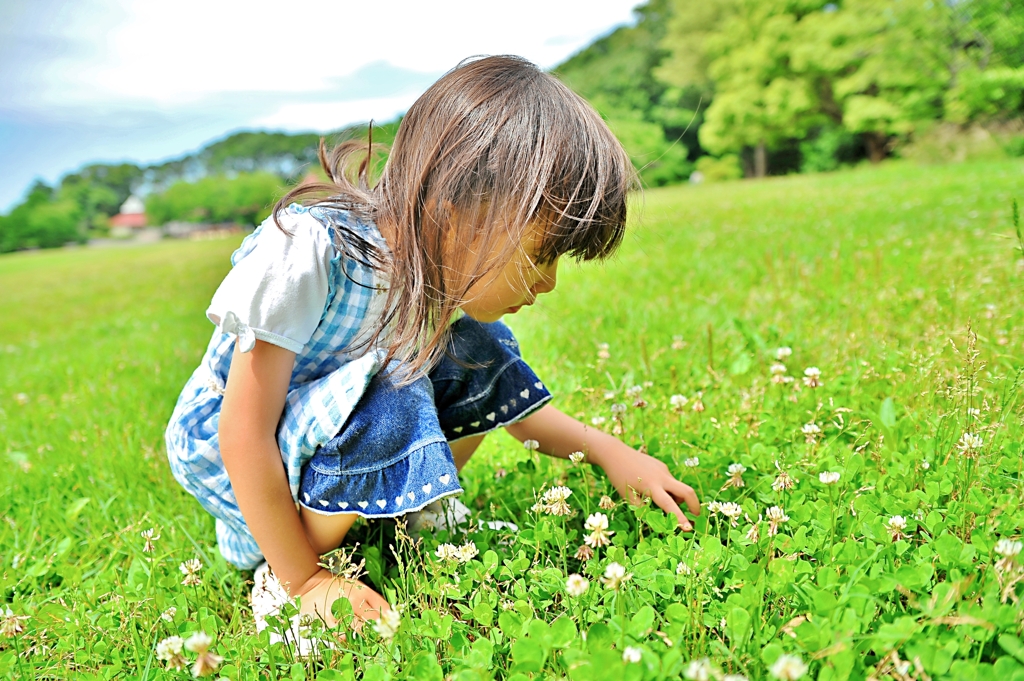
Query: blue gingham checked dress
x=325, y=386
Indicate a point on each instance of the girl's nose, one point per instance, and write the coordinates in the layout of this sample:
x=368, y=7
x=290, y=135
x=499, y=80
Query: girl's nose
x=548, y=279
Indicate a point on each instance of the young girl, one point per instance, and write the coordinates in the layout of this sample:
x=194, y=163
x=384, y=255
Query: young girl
x=359, y=361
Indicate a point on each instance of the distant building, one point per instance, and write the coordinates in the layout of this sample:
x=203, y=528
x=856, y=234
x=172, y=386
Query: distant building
x=132, y=216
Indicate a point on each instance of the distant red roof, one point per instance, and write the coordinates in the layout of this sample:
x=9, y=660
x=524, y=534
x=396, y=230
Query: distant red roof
x=129, y=220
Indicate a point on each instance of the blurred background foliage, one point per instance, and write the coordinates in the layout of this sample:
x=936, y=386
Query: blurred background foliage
x=728, y=88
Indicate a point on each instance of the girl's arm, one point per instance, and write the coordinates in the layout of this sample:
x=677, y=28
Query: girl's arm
x=634, y=475
x=254, y=399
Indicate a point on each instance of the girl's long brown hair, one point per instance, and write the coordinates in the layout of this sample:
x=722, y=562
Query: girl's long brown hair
x=492, y=147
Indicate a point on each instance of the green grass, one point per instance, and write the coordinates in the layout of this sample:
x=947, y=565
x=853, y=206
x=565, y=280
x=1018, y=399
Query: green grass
x=901, y=283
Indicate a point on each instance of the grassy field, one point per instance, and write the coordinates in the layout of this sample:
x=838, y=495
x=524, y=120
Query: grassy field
x=902, y=284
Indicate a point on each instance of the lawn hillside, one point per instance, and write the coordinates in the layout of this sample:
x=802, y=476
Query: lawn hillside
x=902, y=285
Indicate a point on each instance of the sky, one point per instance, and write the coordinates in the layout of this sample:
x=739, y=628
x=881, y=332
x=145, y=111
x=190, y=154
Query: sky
x=146, y=80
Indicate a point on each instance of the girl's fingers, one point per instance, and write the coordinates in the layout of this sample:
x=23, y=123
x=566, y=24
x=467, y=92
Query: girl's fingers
x=669, y=505
x=683, y=491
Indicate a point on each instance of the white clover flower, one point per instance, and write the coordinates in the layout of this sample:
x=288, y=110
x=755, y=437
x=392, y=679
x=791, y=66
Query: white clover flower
x=736, y=469
x=618, y=409
x=783, y=481
x=466, y=552
x=925, y=465
x=531, y=445
x=602, y=351
x=150, y=536
x=895, y=525
x=731, y=510
x=555, y=500
x=576, y=585
x=388, y=624
x=811, y=432
x=447, y=552
x=734, y=677
x=698, y=403
x=753, y=534
x=584, y=553
x=606, y=503
x=1008, y=548
x=828, y=477
x=783, y=352
x=788, y=667
x=169, y=652
x=190, y=568
x=631, y=654
x=634, y=392
x=775, y=516
x=683, y=569
x=691, y=462
x=777, y=369
x=714, y=507
x=168, y=647
x=598, y=421
x=614, y=576
x=812, y=377
x=206, y=662
x=969, y=445
x=700, y=670
x=597, y=526
x=677, y=402
x=168, y=614
x=609, y=395
x=10, y=624
x=678, y=343
x=577, y=458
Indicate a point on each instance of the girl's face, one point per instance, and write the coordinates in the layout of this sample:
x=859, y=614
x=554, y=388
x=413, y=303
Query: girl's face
x=506, y=289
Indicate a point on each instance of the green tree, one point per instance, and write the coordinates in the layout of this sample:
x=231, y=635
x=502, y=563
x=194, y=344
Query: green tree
x=246, y=199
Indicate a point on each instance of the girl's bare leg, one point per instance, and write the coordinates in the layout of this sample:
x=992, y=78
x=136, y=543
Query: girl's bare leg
x=464, y=448
x=326, y=532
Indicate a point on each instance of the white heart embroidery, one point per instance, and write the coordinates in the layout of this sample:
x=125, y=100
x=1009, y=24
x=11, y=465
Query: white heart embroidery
x=325, y=504
x=382, y=503
x=306, y=497
x=445, y=478
x=539, y=385
x=525, y=393
x=398, y=501
x=343, y=504
x=504, y=409
x=457, y=429
x=490, y=417
x=411, y=495
x=364, y=504
x=474, y=424
x=426, y=488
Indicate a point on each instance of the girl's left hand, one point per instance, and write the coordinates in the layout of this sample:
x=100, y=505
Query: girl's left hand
x=638, y=475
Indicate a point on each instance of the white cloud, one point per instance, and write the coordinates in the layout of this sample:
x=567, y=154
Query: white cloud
x=325, y=116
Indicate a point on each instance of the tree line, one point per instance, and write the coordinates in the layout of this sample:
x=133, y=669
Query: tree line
x=759, y=86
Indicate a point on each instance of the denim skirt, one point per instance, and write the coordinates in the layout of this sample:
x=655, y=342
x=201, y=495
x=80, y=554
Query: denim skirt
x=392, y=455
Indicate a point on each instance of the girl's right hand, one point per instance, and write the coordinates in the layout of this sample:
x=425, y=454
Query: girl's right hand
x=323, y=588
